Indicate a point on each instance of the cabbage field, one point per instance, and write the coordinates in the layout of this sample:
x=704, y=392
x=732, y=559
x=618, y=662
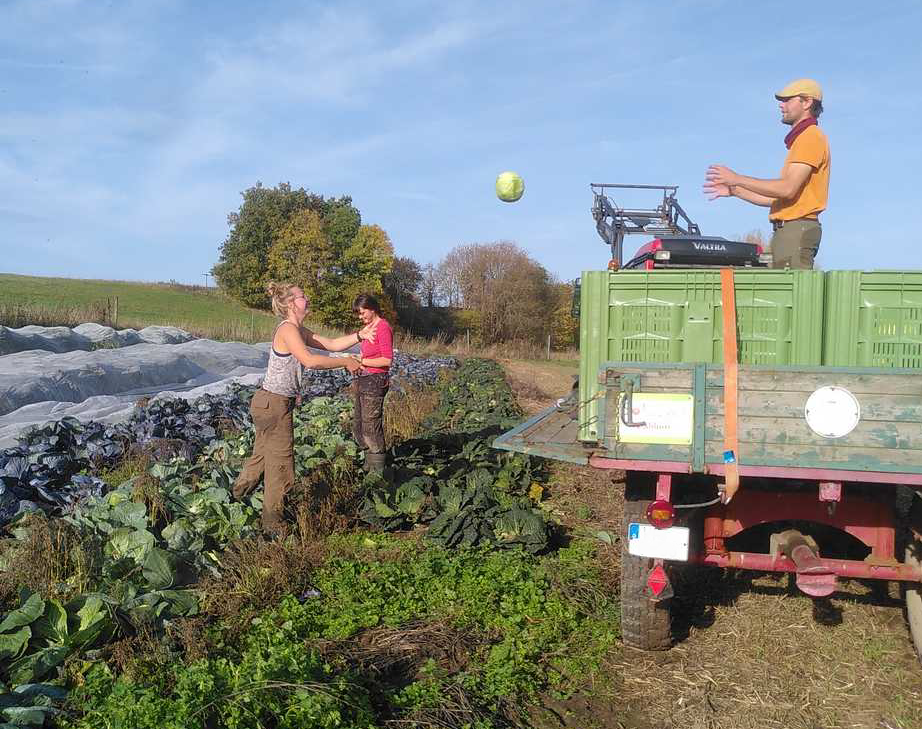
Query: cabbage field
x=137, y=593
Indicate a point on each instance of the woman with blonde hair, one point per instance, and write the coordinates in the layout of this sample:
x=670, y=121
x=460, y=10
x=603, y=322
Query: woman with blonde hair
x=272, y=405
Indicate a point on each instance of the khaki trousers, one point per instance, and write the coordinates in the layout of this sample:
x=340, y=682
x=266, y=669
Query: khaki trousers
x=272, y=460
x=794, y=245
x=368, y=392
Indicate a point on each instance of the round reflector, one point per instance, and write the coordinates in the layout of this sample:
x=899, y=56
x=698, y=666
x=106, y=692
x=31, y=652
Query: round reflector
x=661, y=514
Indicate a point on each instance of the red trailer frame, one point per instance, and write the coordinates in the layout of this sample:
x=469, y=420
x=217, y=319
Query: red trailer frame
x=871, y=521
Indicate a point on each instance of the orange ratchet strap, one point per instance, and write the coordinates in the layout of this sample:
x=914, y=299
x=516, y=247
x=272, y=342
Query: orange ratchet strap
x=731, y=389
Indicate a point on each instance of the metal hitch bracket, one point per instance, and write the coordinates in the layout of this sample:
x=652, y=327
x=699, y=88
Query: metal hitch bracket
x=813, y=577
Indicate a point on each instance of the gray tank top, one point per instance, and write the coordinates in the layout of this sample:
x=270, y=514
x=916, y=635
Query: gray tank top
x=283, y=375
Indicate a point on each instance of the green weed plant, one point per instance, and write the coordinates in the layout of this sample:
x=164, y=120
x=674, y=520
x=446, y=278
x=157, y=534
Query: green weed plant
x=526, y=637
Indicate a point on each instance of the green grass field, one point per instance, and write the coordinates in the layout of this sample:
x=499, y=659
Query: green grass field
x=204, y=312
x=64, y=301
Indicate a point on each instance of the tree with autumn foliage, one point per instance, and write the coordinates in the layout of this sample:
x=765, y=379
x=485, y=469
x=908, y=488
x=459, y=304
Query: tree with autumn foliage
x=564, y=327
x=507, y=294
x=301, y=238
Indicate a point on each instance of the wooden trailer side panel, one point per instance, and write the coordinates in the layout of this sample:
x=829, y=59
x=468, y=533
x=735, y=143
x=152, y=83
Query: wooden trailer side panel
x=773, y=429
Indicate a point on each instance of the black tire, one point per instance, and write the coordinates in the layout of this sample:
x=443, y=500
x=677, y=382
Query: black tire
x=913, y=590
x=914, y=598
x=644, y=624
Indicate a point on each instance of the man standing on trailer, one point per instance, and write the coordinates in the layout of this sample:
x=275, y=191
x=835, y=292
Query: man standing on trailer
x=798, y=197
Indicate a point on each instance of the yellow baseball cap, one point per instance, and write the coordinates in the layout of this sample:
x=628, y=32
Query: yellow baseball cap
x=801, y=87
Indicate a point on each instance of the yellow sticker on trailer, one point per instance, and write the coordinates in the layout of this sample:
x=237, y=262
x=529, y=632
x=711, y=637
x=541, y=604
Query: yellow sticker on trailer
x=657, y=417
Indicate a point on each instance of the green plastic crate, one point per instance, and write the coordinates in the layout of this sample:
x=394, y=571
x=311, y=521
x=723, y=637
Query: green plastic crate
x=676, y=316
x=873, y=319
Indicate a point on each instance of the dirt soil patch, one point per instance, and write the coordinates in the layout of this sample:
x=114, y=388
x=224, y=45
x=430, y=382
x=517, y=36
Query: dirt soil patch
x=751, y=651
x=759, y=654
x=537, y=384
x=398, y=654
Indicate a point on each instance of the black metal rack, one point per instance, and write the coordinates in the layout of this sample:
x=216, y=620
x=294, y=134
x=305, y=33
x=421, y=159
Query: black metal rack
x=613, y=222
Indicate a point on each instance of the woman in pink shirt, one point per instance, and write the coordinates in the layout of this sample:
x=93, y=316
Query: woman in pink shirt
x=372, y=381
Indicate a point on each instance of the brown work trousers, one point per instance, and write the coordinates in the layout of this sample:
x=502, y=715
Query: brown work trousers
x=368, y=392
x=272, y=459
x=795, y=244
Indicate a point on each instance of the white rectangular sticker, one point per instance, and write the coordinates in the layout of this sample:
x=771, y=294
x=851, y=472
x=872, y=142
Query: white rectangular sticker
x=645, y=540
x=658, y=417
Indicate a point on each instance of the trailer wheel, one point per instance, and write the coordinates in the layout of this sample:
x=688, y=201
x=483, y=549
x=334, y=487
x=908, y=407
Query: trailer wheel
x=644, y=624
x=913, y=558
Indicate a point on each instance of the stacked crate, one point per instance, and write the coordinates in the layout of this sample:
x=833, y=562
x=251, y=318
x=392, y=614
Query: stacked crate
x=836, y=319
x=676, y=316
x=873, y=319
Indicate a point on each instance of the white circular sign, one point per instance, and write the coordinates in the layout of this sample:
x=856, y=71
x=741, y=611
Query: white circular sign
x=832, y=412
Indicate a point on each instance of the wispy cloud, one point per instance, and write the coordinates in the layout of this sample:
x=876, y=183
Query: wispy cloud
x=55, y=66
x=330, y=57
x=74, y=126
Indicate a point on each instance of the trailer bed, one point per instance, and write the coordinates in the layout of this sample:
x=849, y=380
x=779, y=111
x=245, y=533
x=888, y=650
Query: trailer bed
x=684, y=404
x=552, y=433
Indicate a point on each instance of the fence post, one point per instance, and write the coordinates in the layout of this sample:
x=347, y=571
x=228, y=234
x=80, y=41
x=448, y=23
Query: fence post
x=115, y=312
x=548, y=346
x=468, y=340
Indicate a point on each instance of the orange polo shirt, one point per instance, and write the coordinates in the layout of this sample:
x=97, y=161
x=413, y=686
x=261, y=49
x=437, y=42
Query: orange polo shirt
x=810, y=148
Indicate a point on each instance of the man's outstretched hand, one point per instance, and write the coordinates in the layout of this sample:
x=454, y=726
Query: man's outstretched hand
x=714, y=191
x=722, y=175
x=718, y=180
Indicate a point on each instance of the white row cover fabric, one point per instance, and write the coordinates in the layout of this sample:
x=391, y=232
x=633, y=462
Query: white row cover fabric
x=84, y=338
x=104, y=408
x=38, y=376
x=94, y=372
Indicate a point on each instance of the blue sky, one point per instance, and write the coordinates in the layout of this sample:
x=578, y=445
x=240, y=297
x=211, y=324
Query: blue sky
x=128, y=129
